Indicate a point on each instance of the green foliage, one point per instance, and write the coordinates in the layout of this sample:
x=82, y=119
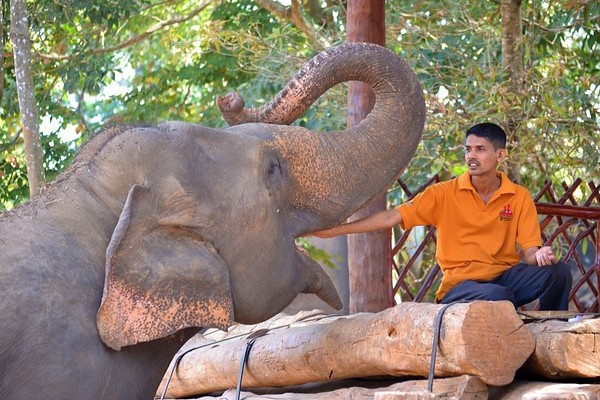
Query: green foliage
x=317, y=254
x=456, y=49
x=102, y=63
x=14, y=178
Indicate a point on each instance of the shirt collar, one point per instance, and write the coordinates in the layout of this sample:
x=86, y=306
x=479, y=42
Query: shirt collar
x=506, y=185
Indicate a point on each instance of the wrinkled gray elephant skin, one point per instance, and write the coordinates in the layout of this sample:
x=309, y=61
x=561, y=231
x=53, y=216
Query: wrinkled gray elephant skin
x=154, y=232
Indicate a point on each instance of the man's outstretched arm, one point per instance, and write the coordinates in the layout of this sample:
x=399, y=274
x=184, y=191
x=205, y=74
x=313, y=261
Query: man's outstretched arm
x=380, y=220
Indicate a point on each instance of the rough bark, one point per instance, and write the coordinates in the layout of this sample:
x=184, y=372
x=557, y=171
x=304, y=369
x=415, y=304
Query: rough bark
x=369, y=276
x=19, y=36
x=484, y=339
x=512, y=50
x=565, y=349
x=1, y=49
x=512, y=64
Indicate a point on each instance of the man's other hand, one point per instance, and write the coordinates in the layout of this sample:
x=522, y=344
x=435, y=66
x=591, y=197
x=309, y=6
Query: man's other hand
x=544, y=256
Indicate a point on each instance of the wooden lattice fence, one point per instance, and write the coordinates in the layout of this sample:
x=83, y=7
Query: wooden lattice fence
x=571, y=228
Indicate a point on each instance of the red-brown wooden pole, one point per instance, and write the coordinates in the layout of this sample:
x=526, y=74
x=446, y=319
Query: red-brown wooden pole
x=369, y=270
x=597, y=264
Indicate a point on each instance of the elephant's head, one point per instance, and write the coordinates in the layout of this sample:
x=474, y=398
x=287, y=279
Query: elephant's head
x=207, y=232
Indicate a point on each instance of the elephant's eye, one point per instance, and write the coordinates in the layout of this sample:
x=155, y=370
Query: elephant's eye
x=274, y=167
x=274, y=177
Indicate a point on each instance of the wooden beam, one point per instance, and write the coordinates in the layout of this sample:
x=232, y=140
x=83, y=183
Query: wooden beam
x=369, y=274
x=565, y=349
x=523, y=390
x=463, y=387
x=484, y=339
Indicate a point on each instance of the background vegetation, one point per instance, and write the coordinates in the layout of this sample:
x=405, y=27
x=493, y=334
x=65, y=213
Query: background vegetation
x=143, y=61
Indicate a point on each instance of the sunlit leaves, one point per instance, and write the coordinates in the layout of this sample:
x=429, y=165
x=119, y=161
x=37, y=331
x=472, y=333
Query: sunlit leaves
x=457, y=45
x=176, y=73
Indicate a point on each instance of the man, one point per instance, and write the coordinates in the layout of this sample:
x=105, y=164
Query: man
x=481, y=219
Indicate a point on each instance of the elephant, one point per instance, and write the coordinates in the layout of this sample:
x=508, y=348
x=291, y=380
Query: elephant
x=155, y=232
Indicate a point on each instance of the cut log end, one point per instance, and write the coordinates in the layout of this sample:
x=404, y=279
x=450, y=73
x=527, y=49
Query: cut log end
x=565, y=349
x=495, y=340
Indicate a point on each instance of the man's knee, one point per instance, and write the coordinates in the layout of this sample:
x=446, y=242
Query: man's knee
x=562, y=274
x=556, y=291
x=498, y=293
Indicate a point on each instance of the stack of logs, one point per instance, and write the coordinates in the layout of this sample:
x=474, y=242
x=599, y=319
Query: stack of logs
x=480, y=348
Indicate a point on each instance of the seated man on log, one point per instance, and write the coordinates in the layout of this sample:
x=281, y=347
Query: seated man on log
x=481, y=217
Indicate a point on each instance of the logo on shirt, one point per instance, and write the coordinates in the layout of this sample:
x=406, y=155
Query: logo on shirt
x=506, y=214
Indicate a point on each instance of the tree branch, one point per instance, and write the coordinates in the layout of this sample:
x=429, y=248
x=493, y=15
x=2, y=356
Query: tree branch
x=574, y=24
x=19, y=36
x=294, y=16
x=11, y=142
x=133, y=40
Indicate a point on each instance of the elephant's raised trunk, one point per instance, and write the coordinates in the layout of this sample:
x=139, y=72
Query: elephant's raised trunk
x=339, y=172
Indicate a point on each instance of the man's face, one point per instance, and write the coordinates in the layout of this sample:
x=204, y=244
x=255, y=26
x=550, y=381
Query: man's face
x=481, y=157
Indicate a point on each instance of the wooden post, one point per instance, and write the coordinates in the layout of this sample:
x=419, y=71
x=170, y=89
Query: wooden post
x=370, y=281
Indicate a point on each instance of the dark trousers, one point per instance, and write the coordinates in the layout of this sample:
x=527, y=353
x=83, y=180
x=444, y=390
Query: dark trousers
x=521, y=285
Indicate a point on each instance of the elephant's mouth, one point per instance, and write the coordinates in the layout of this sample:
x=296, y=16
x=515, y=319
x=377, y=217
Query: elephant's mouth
x=318, y=282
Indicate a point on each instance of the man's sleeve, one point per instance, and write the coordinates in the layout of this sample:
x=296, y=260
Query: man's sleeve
x=419, y=211
x=528, y=234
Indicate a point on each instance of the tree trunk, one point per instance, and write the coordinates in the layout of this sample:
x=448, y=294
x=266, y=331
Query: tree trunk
x=2, y=29
x=370, y=279
x=512, y=64
x=484, y=339
x=565, y=349
x=19, y=36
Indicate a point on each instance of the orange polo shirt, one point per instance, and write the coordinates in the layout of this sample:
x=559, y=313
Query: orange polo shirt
x=475, y=241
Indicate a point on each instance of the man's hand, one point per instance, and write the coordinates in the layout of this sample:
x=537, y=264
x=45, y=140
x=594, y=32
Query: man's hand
x=539, y=256
x=545, y=256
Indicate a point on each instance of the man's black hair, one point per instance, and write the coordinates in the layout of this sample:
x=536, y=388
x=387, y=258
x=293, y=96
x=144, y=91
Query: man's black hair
x=491, y=132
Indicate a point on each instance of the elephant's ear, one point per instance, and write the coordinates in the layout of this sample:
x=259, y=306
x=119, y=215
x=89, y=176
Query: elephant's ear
x=159, y=278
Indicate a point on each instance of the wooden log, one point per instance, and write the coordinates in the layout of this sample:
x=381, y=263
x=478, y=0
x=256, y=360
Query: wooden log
x=484, y=339
x=463, y=387
x=523, y=390
x=421, y=395
x=565, y=349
